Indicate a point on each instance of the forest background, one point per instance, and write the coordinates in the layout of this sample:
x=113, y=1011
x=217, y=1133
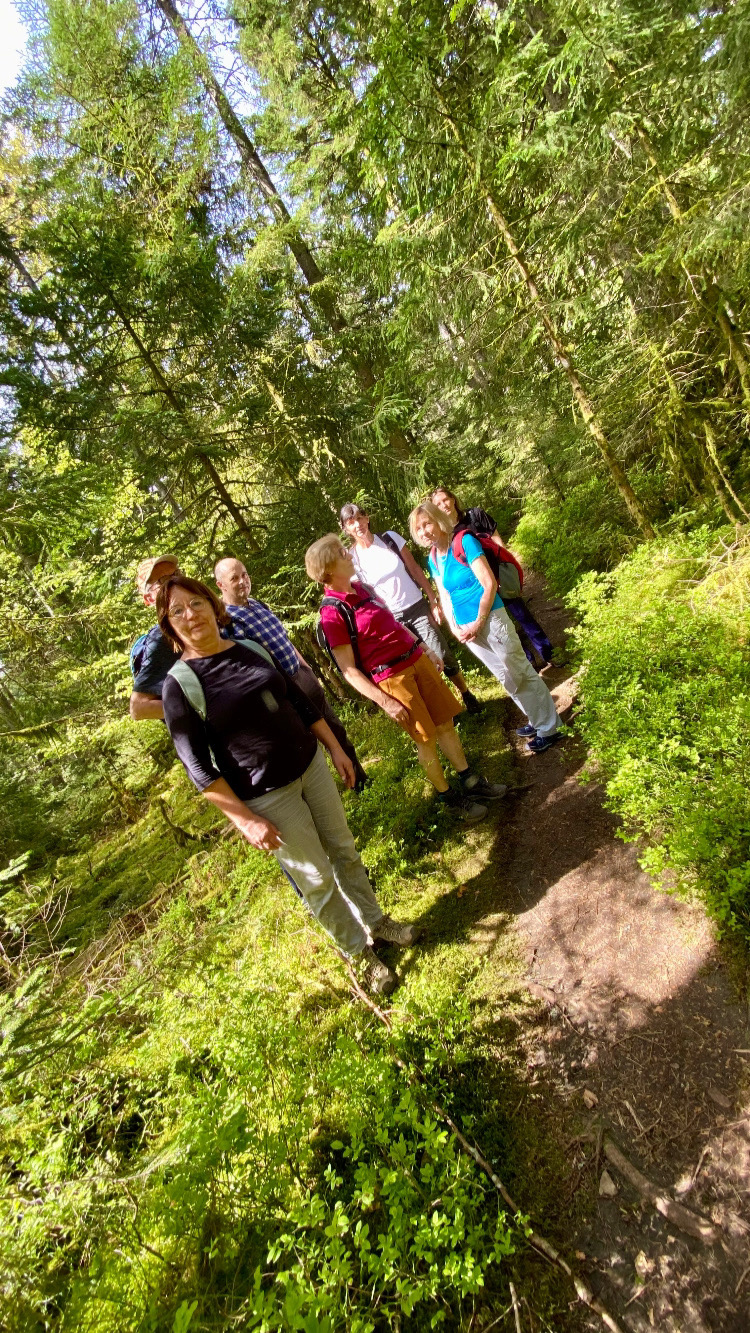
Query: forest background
x=259, y=261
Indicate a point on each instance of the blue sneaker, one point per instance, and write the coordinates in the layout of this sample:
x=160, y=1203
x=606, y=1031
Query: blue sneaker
x=541, y=743
x=526, y=731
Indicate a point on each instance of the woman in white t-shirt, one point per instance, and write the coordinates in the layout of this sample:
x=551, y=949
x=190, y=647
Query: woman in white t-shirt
x=385, y=563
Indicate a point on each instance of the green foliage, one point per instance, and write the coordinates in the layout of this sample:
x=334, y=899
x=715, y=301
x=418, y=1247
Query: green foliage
x=666, y=689
x=199, y=1131
x=183, y=1073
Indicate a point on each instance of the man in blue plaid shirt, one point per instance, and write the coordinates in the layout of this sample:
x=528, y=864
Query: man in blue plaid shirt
x=252, y=619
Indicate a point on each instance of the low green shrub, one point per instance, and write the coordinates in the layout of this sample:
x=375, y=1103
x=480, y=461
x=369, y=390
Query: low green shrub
x=184, y=1166
x=666, y=688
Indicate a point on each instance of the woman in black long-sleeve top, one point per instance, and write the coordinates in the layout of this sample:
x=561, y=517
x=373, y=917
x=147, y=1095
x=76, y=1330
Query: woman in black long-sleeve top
x=255, y=757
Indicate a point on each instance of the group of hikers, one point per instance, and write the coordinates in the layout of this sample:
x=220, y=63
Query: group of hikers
x=245, y=711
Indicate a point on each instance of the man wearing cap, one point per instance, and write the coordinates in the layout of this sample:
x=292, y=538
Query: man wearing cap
x=252, y=619
x=151, y=656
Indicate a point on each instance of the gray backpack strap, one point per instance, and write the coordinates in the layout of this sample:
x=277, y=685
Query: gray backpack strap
x=190, y=686
x=259, y=649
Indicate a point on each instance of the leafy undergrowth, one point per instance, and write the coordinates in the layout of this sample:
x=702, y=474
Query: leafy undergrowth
x=666, y=689
x=202, y=1130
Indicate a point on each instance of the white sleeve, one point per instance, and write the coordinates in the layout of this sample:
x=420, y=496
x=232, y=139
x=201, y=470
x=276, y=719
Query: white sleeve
x=398, y=539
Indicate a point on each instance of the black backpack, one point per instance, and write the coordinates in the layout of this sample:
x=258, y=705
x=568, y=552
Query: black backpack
x=388, y=541
x=350, y=620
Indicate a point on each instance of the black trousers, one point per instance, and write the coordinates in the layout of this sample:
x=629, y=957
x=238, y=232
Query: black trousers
x=312, y=688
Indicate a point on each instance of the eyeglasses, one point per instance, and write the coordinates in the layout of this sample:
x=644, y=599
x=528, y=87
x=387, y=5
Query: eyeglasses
x=195, y=604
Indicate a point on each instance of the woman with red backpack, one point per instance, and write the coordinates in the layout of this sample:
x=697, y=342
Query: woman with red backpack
x=383, y=562
x=503, y=564
x=383, y=661
x=474, y=609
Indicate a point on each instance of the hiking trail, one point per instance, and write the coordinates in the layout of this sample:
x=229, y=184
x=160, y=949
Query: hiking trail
x=640, y=1034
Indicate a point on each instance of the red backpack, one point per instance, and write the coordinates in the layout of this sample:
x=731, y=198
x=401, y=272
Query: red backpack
x=506, y=569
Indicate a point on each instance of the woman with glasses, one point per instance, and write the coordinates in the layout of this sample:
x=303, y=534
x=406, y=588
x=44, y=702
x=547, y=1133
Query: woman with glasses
x=248, y=738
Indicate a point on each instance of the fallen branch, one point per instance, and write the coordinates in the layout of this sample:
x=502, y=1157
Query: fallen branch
x=516, y=1311
x=696, y=1226
x=539, y=1242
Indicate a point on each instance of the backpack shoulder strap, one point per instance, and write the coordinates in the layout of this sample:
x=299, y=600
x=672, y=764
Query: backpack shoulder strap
x=350, y=620
x=190, y=686
x=389, y=541
x=257, y=648
x=346, y=612
x=457, y=547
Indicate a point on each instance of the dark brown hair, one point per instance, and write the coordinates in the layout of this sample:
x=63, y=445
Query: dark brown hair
x=459, y=508
x=350, y=511
x=188, y=585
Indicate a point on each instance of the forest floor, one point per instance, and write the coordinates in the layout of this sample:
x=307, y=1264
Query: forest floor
x=638, y=1033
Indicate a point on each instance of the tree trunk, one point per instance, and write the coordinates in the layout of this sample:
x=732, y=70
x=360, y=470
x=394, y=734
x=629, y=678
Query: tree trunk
x=175, y=401
x=719, y=313
x=563, y=358
x=314, y=276
x=554, y=340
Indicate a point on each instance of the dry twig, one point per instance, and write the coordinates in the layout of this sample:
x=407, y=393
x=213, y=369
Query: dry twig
x=680, y=1217
x=539, y=1242
x=516, y=1311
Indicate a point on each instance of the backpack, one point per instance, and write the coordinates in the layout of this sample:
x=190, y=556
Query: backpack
x=350, y=620
x=506, y=569
x=190, y=685
x=136, y=653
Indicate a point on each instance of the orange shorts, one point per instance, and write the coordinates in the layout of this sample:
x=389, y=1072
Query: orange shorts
x=422, y=690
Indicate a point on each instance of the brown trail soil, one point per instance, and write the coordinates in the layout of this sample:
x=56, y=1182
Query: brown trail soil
x=636, y=1006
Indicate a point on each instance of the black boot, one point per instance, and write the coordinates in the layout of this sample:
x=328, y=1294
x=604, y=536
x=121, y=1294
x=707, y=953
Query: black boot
x=471, y=703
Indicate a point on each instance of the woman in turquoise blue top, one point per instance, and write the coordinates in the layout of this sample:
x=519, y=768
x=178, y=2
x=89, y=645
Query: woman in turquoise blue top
x=475, y=612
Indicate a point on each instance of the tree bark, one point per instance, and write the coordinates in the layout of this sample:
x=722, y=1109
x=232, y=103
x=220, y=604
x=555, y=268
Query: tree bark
x=314, y=276
x=564, y=359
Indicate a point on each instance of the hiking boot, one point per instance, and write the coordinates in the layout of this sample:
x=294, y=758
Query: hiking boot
x=526, y=732
x=538, y=744
x=376, y=977
x=488, y=791
x=469, y=811
x=471, y=703
x=396, y=932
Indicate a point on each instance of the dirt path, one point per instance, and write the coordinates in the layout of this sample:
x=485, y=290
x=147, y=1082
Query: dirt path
x=640, y=1012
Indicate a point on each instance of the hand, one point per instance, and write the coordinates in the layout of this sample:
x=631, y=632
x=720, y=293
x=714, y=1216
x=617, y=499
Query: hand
x=344, y=766
x=260, y=833
x=437, y=612
x=468, y=632
x=394, y=709
x=436, y=660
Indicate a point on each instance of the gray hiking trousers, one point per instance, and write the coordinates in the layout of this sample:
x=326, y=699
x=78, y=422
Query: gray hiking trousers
x=318, y=853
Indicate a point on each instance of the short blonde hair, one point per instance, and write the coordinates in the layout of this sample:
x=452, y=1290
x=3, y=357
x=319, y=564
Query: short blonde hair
x=437, y=516
x=322, y=556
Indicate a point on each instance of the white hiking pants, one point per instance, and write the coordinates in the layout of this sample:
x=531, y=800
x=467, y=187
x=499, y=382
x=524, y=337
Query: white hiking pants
x=499, y=647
